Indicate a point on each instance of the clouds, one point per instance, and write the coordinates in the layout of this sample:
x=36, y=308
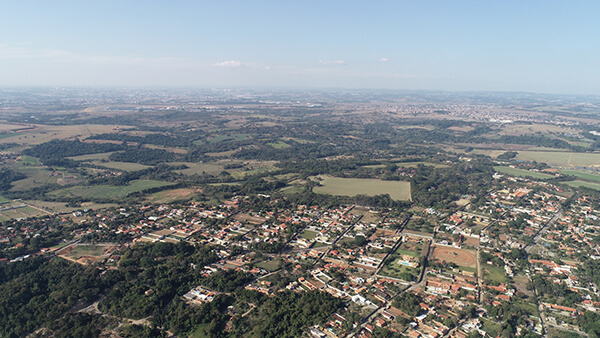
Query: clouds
x=332, y=62
x=229, y=64
x=384, y=59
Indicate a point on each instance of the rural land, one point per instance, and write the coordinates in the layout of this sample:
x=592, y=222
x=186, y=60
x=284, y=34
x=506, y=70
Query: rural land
x=279, y=213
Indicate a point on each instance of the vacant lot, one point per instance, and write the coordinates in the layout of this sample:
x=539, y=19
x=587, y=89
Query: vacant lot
x=398, y=190
x=109, y=191
x=460, y=257
x=520, y=172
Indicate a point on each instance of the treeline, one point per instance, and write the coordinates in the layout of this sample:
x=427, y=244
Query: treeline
x=144, y=156
x=7, y=176
x=287, y=314
x=155, y=138
x=55, y=151
x=42, y=291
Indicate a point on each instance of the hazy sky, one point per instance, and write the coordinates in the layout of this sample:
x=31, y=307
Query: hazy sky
x=538, y=46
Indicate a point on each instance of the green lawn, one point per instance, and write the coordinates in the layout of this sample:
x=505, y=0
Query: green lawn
x=398, y=190
x=520, y=172
x=3, y=199
x=109, y=191
x=86, y=250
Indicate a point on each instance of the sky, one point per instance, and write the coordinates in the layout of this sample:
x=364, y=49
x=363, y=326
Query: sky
x=534, y=46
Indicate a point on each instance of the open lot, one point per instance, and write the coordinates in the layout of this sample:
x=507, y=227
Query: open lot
x=109, y=191
x=460, y=257
x=398, y=190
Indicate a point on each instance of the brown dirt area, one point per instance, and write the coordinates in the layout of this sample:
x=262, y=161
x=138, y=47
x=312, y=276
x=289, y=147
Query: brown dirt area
x=457, y=256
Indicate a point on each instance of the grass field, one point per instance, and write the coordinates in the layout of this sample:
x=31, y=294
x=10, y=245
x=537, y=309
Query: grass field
x=44, y=133
x=577, y=184
x=36, y=177
x=279, y=145
x=109, y=191
x=169, y=196
x=125, y=166
x=582, y=175
x=59, y=207
x=270, y=265
x=309, y=235
x=520, y=172
x=19, y=213
x=398, y=190
x=560, y=158
x=86, y=250
x=91, y=157
x=494, y=273
x=3, y=199
x=199, y=168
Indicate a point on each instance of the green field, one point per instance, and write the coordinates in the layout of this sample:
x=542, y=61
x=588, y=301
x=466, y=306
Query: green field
x=36, y=177
x=170, y=196
x=3, y=199
x=109, y=191
x=560, y=158
x=577, y=184
x=582, y=175
x=125, y=166
x=520, y=172
x=398, y=190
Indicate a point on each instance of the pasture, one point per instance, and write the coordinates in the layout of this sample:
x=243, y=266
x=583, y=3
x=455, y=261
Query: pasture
x=109, y=191
x=398, y=190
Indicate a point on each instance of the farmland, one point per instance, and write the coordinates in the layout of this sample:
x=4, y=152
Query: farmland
x=398, y=190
